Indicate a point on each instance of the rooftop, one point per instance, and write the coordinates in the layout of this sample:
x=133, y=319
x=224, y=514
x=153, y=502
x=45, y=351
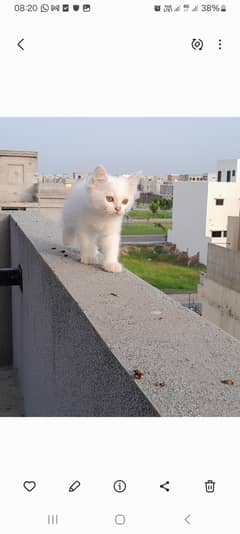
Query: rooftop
x=19, y=153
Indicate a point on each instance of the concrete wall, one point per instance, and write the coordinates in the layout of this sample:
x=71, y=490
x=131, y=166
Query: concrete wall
x=233, y=236
x=79, y=332
x=189, y=218
x=220, y=292
x=223, y=266
x=221, y=305
x=5, y=295
x=65, y=367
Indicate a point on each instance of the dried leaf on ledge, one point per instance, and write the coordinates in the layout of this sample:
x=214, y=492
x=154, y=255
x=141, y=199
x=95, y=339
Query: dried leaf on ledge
x=138, y=374
x=228, y=381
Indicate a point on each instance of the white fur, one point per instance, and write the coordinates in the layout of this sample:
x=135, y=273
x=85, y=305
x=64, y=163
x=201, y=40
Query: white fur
x=92, y=219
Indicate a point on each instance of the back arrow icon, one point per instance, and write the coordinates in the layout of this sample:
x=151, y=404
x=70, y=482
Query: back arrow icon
x=20, y=45
x=187, y=519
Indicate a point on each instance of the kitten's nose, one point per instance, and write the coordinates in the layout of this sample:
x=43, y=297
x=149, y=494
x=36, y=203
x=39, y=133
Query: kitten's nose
x=117, y=208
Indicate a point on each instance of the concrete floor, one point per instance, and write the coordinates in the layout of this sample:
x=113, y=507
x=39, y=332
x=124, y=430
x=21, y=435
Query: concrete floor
x=11, y=404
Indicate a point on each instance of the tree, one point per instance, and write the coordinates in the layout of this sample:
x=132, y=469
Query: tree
x=154, y=206
x=165, y=203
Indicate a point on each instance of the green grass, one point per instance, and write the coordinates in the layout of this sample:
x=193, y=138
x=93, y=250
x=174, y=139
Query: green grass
x=162, y=271
x=146, y=214
x=143, y=229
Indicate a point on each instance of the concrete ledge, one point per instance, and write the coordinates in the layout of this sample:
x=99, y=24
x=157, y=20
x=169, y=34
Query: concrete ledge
x=78, y=334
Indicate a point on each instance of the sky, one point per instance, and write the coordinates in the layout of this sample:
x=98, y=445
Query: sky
x=155, y=146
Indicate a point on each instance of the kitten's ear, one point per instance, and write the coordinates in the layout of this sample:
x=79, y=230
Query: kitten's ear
x=99, y=175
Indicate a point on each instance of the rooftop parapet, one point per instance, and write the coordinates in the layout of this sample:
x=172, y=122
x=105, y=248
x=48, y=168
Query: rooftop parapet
x=79, y=333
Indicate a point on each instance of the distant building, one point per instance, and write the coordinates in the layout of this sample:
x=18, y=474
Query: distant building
x=200, y=213
x=173, y=177
x=166, y=190
x=18, y=174
x=59, y=178
x=151, y=184
x=22, y=188
x=146, y=184
x=196, y=177
x=219, y=290
x=187, y=177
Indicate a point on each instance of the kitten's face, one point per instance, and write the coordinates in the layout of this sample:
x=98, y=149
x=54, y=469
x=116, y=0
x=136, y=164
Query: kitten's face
x=113, y=195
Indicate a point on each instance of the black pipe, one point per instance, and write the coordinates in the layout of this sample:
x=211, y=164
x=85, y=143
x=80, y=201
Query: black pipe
x=11, y=277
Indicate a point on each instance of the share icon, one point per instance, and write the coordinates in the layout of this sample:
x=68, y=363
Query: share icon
x=165, y=486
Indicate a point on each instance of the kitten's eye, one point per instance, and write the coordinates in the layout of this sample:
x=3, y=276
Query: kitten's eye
x=125, y=201
x=110, y=199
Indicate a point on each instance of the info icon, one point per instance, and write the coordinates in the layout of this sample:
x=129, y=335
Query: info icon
x=119, y=486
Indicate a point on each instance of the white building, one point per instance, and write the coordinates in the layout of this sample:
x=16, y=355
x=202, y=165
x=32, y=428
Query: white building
x=200, y=212
x=157, y=181
x=146, y=184
x=228, y=170
x=212, y=176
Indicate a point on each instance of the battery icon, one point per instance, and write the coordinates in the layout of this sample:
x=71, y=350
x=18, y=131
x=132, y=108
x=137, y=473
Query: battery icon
x=210, y=486
x=223, y=8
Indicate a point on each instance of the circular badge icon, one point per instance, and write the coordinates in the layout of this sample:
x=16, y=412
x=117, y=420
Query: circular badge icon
x=119, y=486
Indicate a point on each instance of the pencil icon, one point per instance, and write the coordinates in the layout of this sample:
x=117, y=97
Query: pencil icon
x=74, y=486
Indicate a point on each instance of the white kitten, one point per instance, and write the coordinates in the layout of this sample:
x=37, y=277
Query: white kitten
x=93, y=213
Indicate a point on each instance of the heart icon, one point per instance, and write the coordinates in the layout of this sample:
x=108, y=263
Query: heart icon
x=29, y=485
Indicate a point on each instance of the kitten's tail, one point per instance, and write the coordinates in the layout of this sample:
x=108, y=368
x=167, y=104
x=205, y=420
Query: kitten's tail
x=68, y=235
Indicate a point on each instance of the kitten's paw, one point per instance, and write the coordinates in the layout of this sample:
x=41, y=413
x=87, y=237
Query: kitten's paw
x=88, y=260
x=113, y=267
